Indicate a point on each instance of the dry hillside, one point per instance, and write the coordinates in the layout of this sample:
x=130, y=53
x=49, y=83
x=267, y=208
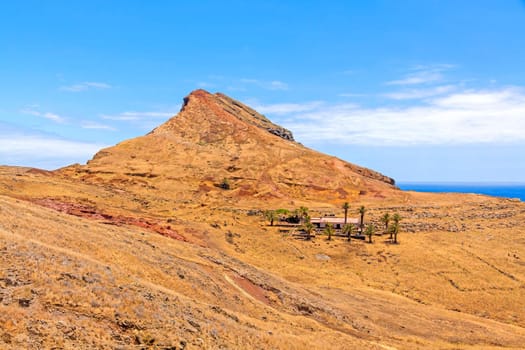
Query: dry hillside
x=142, y=248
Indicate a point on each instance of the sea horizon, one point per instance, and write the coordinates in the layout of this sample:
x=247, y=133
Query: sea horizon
x=511, y=190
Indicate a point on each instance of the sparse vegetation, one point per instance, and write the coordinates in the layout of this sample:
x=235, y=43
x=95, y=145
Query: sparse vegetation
x=348, y=230
x=370, y=229
x=271, y=216
x=396, y=218
x=329, y=231
x=299, y=215
x=225, y=184
x=93, y=281
x=362, y=211
x=385, y=219
x=308, y=229
x=135, y=274
x=345, y=207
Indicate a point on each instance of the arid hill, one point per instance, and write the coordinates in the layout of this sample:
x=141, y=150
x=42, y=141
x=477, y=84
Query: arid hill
x=148, y=247
x=214, y=138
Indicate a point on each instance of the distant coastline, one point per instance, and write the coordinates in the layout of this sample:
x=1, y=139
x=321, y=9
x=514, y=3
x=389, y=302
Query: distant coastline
x=507, y=190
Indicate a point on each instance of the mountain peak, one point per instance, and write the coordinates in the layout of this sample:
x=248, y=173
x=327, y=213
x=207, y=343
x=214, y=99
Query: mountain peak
x=219, y=111
x=215, y=137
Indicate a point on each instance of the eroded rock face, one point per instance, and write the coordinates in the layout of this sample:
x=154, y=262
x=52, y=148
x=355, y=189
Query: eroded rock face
x=251, y=116
x=239, y=111
x=282, y=133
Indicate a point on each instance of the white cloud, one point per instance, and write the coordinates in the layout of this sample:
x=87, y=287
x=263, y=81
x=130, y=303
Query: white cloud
x=47, y=115
x=277, y=85
x=54, y=117
x=465, y=117
x=411, y=94
x=482, y=99
x=286, y=108
x=95, y=125
x=85, y=86
x=418, y=78
x=205, y=84
x=44, y=151
x=268, y=85
x=130, y=116
x=423, y=75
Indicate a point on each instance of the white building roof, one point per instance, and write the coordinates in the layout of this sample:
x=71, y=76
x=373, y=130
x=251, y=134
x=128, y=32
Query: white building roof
x=334, y=220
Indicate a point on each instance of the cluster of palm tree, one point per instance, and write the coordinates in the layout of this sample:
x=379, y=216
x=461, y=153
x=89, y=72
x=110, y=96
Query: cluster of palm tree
x=391, y=224
x=392, y=229
x=301, y=215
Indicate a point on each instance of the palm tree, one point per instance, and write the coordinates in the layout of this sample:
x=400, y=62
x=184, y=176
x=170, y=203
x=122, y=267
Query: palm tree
x=385, y=219
x=300, y=214
x=329, y=230
x=308, y=228
x=271, y=215
x=394, y=229
x=348, y=230
x=362, y=211
x=396, y=218
x=346, y=206
x=369, y=232
x=303, y=213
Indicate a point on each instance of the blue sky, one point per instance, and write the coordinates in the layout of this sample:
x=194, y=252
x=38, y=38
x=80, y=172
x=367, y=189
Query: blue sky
x=419, y=90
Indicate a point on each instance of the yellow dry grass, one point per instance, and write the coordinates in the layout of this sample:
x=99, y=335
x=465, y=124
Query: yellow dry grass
x=104, y=279
x=107, y=286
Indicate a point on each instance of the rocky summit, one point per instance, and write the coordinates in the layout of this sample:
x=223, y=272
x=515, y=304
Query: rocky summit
x=197, y=236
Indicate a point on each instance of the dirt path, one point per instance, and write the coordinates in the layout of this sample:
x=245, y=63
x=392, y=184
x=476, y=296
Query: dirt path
x=248, y=289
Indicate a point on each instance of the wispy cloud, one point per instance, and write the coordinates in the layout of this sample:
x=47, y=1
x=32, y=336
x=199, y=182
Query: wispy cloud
x=286, y=108
x=87, y=85
x=26, y=145
x=47, y=115
x=130, y=116
x=422, y=75
x=277, y=85
x=483, y=99
x=44, y=151
x=268, y=85
x=96, y=126
x=54, y=117
x=205, y=84
x=411, y=94
x=461, y=117
x=350, y=94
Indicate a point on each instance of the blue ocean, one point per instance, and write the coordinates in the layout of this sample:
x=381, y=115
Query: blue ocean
x=497, y=190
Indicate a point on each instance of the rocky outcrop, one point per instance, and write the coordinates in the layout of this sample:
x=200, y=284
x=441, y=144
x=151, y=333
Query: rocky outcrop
x=251, y=116
x=282, y=133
